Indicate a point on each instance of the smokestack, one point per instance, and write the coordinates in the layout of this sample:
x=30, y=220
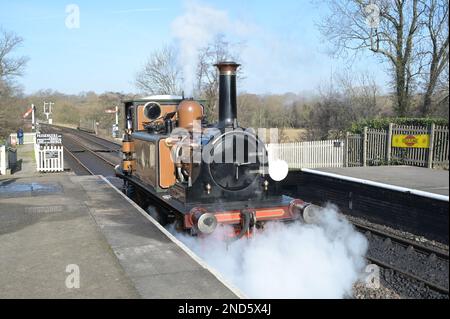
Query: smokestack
x=227, y=93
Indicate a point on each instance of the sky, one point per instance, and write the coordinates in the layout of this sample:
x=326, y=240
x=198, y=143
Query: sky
x=282, y=52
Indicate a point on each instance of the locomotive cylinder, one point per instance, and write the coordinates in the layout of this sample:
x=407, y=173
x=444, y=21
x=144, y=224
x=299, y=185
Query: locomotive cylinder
x=227, y=94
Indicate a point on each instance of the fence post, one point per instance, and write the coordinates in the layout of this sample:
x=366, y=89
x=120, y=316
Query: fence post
x=3, y=157
x=389, y=144
x=431, y=149
x=364, y=147
x=346, y=148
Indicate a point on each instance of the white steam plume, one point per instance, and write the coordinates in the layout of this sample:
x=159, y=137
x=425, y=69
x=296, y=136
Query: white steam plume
x=195, y=29
x=290, y=260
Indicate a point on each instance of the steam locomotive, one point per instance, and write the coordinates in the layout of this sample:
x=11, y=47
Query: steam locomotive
x=200, y=176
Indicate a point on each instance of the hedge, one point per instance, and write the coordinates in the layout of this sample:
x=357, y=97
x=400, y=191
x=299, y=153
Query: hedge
x=383, y=123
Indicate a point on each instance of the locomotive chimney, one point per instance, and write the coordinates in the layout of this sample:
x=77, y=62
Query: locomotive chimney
x=227, y=93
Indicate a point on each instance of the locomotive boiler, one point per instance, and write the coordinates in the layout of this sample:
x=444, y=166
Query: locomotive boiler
x=197, y=175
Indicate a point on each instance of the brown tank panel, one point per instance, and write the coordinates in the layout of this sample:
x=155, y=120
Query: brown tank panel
x=129, y=166
x=188, y=112
x=128, y=147
x=141, y=118
x=167, y=176
x=166, y=109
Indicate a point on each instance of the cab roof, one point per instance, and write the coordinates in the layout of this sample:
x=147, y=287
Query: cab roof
x=158, y=98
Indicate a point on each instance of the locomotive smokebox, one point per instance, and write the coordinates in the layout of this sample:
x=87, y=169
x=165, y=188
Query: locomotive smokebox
x=227, y=94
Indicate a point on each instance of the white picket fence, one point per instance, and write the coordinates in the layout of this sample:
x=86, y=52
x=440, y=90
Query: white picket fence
x=315, y=154
x=3, y=160
x=49, y=158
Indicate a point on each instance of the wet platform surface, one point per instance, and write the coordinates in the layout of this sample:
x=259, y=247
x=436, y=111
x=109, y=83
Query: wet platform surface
x=50, y=222
x=423, y=179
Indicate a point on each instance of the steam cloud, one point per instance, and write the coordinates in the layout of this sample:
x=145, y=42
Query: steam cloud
x=193, y=30
x=290, y=260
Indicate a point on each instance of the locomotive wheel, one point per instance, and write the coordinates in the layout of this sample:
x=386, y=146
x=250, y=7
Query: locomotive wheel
x=130, y=191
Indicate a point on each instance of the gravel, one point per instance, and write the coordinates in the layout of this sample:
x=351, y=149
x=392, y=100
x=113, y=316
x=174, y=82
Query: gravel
x=395, y=285
x=419, y=239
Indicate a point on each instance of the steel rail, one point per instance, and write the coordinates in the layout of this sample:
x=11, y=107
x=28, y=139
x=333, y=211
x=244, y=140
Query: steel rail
x=89, y=150
x=429, y=284
x=92, y=152
x=96, y=140
x=404, y=241
x=78, y=161
x=90, y=137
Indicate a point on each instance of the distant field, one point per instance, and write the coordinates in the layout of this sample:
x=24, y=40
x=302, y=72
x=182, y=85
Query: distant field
x=293, y=135
x=288, y=135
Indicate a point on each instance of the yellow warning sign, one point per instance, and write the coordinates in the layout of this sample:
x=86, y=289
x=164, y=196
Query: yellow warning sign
x=414, y=141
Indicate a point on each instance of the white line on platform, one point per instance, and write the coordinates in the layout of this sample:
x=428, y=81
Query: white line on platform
x=378, y=184
x=186, y=249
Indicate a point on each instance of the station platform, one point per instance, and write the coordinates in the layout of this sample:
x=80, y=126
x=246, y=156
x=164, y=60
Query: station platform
x=51, y=222
x=420, y=179
x=411, y=199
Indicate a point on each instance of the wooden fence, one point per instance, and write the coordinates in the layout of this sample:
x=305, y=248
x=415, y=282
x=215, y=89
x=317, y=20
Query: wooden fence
x=49, y=158
x=374, y=147
x=315, y=154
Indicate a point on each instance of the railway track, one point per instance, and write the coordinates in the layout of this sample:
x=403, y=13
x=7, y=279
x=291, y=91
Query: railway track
x=410, y=250
x=107, y=144
x=90, y=154
x=78, y=163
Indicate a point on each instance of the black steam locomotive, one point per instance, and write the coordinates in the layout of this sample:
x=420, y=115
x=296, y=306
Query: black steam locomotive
x=199, y=175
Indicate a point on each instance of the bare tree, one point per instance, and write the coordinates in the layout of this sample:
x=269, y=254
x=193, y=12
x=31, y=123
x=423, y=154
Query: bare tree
x=161, y=74
x=207, y=79
x=348, y=98
x=442, y=95
x=435, y=50
x=361, y=93
x=11, y=67
x=385, y=27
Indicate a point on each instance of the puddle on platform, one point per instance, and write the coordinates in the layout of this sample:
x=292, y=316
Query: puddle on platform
x=29, y=189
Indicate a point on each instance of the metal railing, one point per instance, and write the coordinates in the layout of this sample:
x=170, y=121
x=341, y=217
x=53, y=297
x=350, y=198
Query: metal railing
x=374, y=147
